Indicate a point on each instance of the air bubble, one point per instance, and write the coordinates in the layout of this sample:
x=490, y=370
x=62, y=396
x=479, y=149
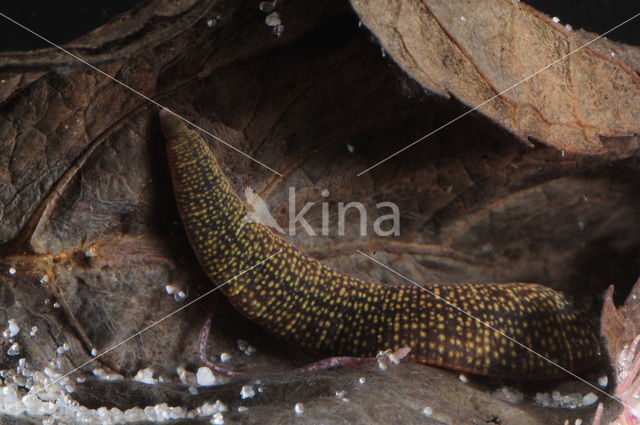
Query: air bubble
x=266, y=6
x=273, y=19
x=278, y=30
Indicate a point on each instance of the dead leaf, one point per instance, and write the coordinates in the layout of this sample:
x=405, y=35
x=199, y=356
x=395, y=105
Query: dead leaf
x=535, y=77
x=85, y=200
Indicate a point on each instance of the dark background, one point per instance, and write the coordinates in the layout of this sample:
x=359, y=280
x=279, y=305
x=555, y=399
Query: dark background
x=63, y=20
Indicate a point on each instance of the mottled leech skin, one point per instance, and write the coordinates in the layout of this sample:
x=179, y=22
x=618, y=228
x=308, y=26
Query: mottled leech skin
x=298, y=298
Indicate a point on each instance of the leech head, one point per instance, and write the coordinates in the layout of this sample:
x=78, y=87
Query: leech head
x=171, y=124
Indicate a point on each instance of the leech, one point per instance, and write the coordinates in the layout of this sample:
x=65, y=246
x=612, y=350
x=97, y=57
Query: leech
x=322, y=310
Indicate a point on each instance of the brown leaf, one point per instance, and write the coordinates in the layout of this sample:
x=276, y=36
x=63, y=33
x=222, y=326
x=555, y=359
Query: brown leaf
x=85, y=200
x=504, y=50
x=620, y=325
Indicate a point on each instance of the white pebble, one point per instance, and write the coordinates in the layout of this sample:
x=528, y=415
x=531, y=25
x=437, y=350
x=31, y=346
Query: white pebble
x=568, y=27
x=427, y=411
x=225, y=357
x=589, y=399
x=578, y=422
x=12, y=271
x=603, y=381
x=145, y=376
x=102, y=374
x=463, y=378
x=250, y=350
x=34, y=331
x=94, y=352
x=12, y=330
x=361, y=380
x=14, y=350
x=242, y=409
x=56, y=305
x=220, y=406
x=555, y=19
x=63, y=348
x=509, y=394
x=204, y=377
x=247, y=391
x=44, y=279
x=208, y=409
x=171, y=289
x=462, y=18
x=342, y=396
x=180, y=296
x=298, y=408
x=217, y=419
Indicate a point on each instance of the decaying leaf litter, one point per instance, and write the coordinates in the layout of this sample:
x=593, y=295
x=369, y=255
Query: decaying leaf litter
x=109, y=240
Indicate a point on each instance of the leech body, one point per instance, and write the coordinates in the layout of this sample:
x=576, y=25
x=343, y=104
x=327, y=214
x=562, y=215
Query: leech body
x=300, y=299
